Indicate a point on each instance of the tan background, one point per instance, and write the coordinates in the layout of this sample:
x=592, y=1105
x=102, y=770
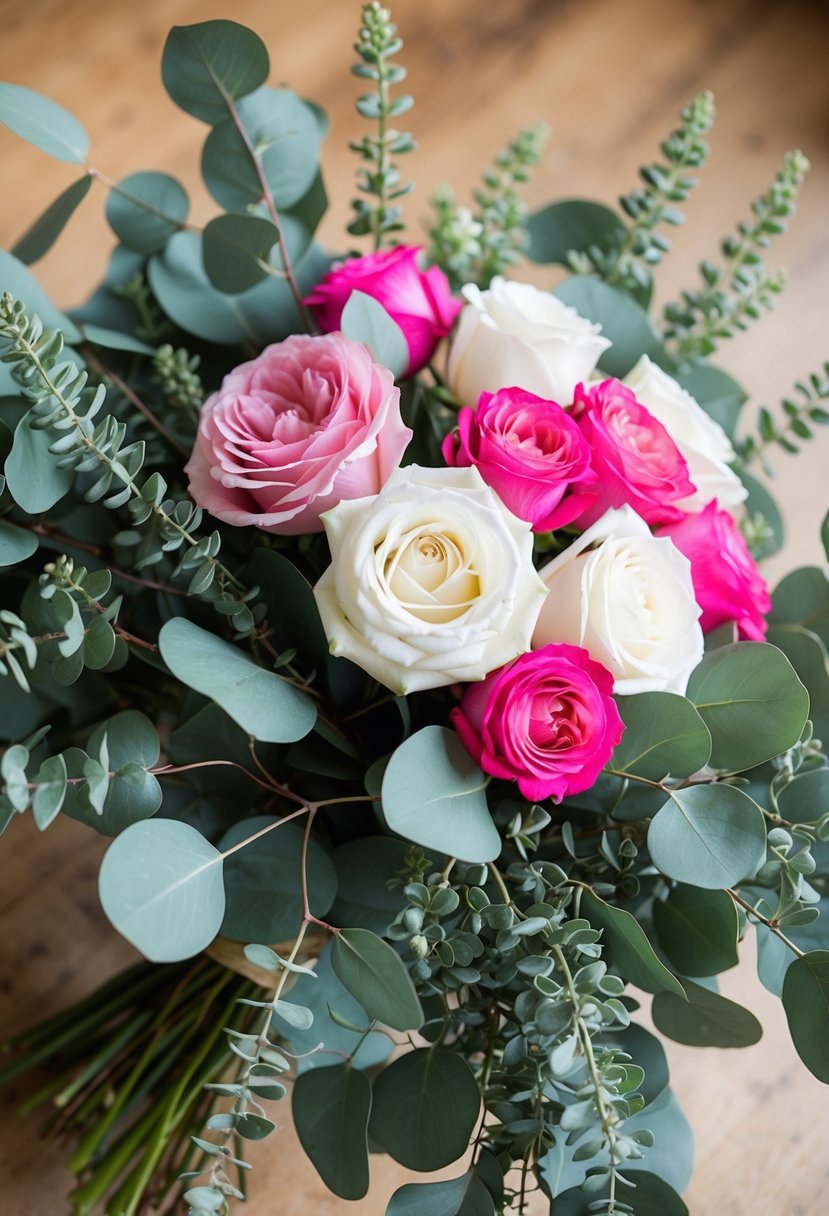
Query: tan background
x=610, y=77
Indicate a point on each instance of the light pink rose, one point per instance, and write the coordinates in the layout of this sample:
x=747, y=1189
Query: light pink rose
x=420, y=301
x=727, y=584
x=309, y=422
x=636, y=460
x=530, y=451
x=547, y=720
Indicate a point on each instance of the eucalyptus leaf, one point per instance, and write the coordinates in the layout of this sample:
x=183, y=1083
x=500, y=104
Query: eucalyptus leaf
x=718, y=393
x=113, y=339
x=41, y=236
x=663, y=735
x=160, y=884
x=806, y=1002
x=263, y=881
x=571, y=225
x=261, y=702
x=206, y=65
x=710, y=836
x=807, y=655
x=44, y=123
x=331, y=1112
x=630, y=950
x=774, y=957
x=434, y=794
x=623, y=321
x=761, y=502
x=236, y=249
x=705, y=1019
x=752, y=702
x=802, y=599
x=32, y=475
x=363, y=869
x=51, y=781
x=16, y=544
x=645, y=1194
x=364, y=319
x=374, y=973
x=697, y=930
x=145, y=209
x=425, y=1107
x=465, y=1196
x=18, y=280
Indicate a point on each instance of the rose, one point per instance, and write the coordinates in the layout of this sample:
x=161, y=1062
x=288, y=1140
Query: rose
x=307, y=423
x=727, y=584
x=430, y=582
x=636, y=460
x=515, y=334
x=420, y=301
x=547, y=720
x=629, y=602
x=702, y=441
x=530, y=451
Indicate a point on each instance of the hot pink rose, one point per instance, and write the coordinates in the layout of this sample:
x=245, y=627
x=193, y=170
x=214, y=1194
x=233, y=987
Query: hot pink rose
x=309, y=422
x=530, y=451
x=637, y=462
x=727, y=584
x=420, y=301
x=547, y=721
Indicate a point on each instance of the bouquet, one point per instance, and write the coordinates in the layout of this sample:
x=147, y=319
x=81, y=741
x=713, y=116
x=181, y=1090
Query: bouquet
x=401, y=622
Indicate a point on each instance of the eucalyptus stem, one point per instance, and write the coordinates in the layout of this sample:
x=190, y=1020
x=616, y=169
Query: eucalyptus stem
x=769, y=922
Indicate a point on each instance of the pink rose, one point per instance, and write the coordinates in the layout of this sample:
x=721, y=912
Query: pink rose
x=727, y=584
x=637, y=462
x=420, y=301
x=530, y=451
x=546, y=720
x=309, y=422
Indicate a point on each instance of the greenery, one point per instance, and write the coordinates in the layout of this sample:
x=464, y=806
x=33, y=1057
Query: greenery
x=338, y=903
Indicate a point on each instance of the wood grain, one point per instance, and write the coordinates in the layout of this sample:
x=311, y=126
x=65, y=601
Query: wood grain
x=609, y=76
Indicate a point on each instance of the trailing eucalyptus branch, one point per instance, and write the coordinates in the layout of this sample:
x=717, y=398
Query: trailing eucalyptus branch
x=626, y=261
x=794, y=424
x=379, y=177
x=734, y=294
x=474, y=246
x=63, y=402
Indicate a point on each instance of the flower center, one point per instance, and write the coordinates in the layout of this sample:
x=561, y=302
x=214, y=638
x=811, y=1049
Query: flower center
x=430, y=576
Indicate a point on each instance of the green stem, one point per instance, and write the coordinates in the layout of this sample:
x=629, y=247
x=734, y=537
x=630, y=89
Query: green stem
x=770, y=923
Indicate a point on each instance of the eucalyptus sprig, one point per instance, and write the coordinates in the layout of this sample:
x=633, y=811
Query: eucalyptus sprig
x=735, y=293
x=797, y=415
x=378, y=177
x=473, y=246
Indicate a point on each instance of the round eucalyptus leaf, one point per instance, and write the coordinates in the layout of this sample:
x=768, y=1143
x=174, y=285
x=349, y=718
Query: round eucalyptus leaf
x=236, y=249
x=646, y=1050
x=750, y=698
x=572, y=225
x=465, y=1196
x=281, y=142
x=806, y=798
x=802, y=598
x=204, y=65
x=261, y=702
x=434, y=794
x=331, y=1111
x=807, y=655
x=263, y=881
x=375, y=974
x=43, y=122
x=623, y=321
x=664, y=735
x=364, y=319
x=631, y=952
x=32, y=475
x=774, y=957
x=806, y=1002
x=160, y=884
x=697, y=930
x=51, y=780
x=131, y=738
x=424, y=1108
x=16, y=544
x=718, y=393
x=41, y=236
x=113, y=339
x=145, y=209
x=710, y=836
x=363, y=896
x=705, y=1019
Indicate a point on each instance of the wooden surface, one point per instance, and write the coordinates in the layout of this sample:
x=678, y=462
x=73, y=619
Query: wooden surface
x=609, y=76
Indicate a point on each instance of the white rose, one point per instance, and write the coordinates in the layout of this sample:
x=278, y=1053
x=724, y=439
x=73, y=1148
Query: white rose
x=629, y=602
x=431, y=581
x=702, y=441
x=514, y=335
